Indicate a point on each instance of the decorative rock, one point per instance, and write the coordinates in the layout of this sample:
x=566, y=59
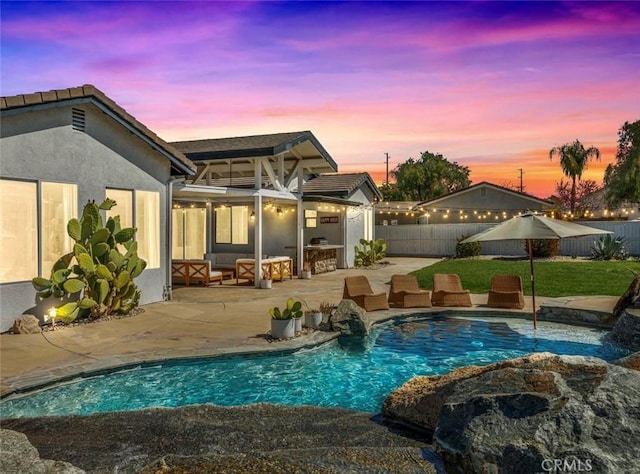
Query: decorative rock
x=26, y=324
x=630, y=362
x=419, y=401
x=578, y=410
x=626, y=332
x=630, y=298
x=350, y=319
x=18, y=455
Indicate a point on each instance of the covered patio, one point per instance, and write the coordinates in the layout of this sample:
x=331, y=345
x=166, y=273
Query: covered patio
x=245, y=200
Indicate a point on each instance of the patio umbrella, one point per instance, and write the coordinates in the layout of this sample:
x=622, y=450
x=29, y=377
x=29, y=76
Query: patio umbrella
x=533, y=227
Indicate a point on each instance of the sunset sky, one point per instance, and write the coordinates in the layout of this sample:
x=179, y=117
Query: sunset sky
x=490, y=85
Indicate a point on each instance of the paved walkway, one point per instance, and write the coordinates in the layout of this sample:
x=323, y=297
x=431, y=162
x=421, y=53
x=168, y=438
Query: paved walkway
x=199, y=321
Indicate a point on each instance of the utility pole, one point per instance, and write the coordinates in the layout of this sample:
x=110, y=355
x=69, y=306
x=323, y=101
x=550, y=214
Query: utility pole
x=387, y=155
x=521, y=184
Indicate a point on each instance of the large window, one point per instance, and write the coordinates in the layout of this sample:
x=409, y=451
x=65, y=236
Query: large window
x=148, y=225
x=146, y=220
x=232, y=225
x=59, y=206
x=188, y=235
x=18, y=231
x=19, y=210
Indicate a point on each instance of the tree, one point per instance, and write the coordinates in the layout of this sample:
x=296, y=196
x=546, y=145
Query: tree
x=622, y=179
x=583, y=189
x=429, y=177
x=573, y=160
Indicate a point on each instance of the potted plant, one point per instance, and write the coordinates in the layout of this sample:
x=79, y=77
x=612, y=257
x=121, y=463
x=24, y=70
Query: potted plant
x=312, y=318
x=306, y=270
x=326, y=309
x=283, y=323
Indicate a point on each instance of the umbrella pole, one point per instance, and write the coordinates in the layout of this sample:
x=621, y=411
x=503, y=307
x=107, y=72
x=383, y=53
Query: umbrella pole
x=533, y=289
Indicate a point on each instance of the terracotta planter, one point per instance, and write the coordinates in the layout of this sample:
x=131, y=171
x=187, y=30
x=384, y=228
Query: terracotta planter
x=312, y=320
x=283, y=328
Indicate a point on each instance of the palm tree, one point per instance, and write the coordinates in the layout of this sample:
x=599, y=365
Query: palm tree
x=573, y=160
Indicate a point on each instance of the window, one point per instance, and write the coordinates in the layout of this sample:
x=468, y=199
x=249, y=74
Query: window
x=23, y=256
x=148, y=227
x=146, y=220
x=189, y=233
x=232, y=225
x=59, y=206
x=18, y=231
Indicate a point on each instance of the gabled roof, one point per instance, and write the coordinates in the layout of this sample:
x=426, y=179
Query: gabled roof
x=340, y=184
x=90, y=94
x=250, y=146
x=431, y=202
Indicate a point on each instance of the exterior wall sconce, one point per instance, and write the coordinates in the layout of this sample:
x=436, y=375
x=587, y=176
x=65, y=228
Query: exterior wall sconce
x=253, y=215
x=279, y=211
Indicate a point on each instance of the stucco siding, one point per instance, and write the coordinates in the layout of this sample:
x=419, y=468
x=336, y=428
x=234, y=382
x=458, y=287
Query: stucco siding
x=42, y=146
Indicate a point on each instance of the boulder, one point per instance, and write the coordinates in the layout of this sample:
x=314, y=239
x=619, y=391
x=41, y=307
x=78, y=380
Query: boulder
x=630, y=298
x=630, y=362
x=19, y=455
x=418, y=402
x=26, y=324
x=626, y=331
x=350, y=319
x=578, y=411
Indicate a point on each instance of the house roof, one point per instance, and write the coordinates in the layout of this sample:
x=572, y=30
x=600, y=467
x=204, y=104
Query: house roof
x=340, y=184
x=292, y=145
x=91, y=94
x=438, y=200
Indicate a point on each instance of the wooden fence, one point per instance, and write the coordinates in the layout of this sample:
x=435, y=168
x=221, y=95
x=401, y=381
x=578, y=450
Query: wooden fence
x=439, y=240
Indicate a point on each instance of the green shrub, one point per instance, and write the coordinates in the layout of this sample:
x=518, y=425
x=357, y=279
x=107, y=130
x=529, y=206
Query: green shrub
x=469, y=249
x=608, y=247
x=370, y=253
x=543, y=248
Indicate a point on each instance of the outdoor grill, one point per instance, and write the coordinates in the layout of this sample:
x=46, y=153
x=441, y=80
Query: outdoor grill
x=318, y=241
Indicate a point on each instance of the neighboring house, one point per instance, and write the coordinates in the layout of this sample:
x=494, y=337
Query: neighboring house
x=248, y=196
x=397, y=213
x=594, y=206
x=60, y=149
x=482, y=202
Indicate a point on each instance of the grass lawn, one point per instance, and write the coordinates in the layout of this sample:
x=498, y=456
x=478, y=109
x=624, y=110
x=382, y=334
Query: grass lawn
x=552, y=278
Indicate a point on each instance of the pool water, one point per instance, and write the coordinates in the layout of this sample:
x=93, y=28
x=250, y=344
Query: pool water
x=349, y=374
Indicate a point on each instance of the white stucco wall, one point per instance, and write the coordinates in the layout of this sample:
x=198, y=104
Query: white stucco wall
x=42, y=146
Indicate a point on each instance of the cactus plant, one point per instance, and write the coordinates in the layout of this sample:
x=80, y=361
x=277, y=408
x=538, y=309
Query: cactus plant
x=370, y=253
x=96, y=270
x=293, y=310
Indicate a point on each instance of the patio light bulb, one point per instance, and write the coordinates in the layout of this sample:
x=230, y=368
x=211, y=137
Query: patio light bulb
x=253, y=215
x=279, y=211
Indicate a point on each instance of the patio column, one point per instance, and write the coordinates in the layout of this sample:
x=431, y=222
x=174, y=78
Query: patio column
x=300, y=225
x=257, y=231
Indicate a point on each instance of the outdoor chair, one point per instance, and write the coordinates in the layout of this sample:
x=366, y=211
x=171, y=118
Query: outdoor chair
x=358, y=289
x=448, y=291
x=405, y=293
x=506, y=292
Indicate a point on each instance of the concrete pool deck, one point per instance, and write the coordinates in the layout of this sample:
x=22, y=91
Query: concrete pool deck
x=199, y=321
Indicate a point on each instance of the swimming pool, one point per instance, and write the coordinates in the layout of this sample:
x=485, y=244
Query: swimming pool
x=350, y=374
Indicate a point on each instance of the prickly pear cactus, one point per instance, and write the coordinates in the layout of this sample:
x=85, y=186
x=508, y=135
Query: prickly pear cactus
x=100, y=269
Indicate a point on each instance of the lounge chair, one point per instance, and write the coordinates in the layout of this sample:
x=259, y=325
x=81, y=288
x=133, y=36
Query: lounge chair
x=405, y=293
x=358, y=289
x=506, y=292
x=448, y=291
